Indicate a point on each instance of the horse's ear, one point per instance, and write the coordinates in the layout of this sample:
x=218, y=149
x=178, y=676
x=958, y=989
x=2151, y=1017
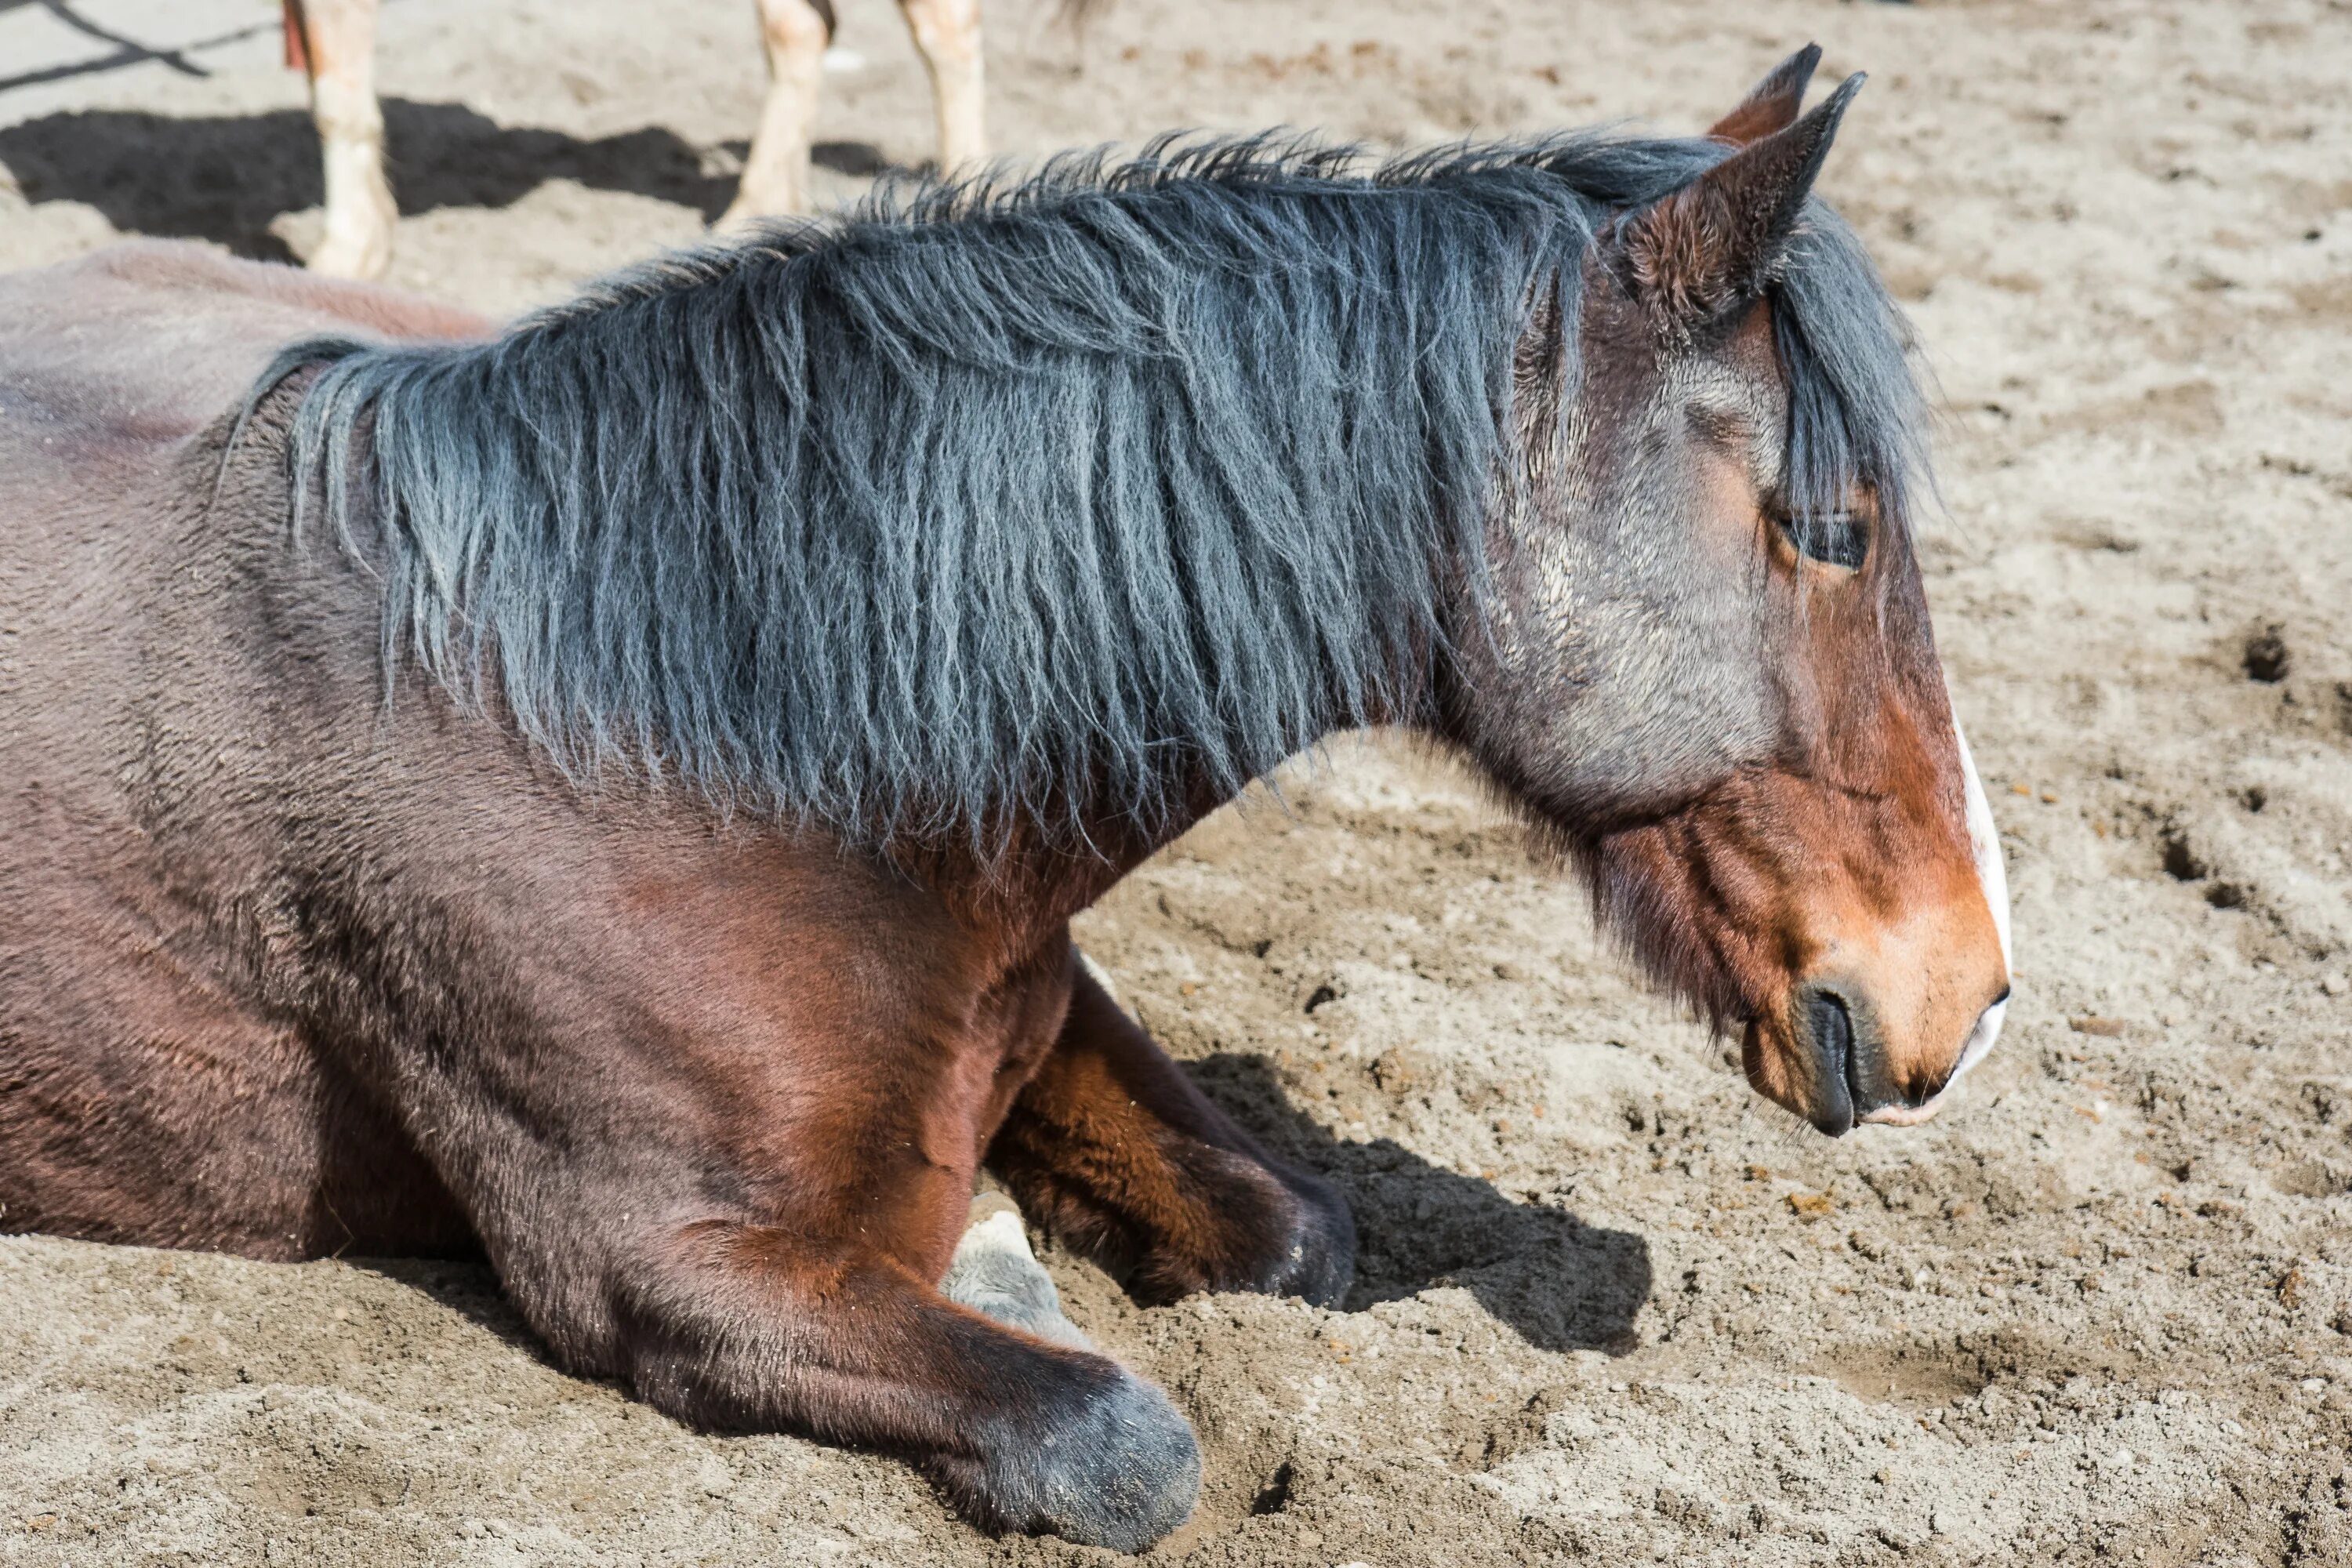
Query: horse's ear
x=1772, y=104
x=1697, y=252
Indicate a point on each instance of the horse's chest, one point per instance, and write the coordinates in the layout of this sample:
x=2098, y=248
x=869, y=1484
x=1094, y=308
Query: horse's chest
x=991, y=1055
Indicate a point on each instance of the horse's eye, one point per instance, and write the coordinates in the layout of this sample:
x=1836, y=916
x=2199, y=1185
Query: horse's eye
x=1834, y=537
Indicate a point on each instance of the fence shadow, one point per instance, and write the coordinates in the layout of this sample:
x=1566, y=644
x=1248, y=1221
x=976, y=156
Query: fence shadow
x=226, y=179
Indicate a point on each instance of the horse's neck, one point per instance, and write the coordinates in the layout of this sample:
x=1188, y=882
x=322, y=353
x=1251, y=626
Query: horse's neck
x=1030, y=882
x=558, y=470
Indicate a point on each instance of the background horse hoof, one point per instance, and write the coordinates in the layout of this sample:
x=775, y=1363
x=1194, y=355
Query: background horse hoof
x=993, y=1272
x=1120, y=1472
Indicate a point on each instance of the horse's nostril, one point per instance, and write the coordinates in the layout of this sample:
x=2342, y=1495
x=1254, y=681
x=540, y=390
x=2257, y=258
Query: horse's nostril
x=1832, y=1032
x=1832, y=1028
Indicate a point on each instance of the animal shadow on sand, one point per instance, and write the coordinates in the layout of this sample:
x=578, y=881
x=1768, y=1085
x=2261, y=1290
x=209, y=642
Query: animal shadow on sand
x=1560, y=1284
x=467, y=1286
x=227, y=180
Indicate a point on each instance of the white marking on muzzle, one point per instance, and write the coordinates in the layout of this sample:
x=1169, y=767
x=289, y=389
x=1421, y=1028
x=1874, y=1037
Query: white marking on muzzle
x=1984, y=838
x=1984, y=842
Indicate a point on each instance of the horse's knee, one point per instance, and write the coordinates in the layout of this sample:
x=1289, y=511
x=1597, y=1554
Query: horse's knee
x=795, y=27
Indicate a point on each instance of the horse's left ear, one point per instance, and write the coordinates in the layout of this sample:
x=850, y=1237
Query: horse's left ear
x=1695, y=253
x=1772, y=104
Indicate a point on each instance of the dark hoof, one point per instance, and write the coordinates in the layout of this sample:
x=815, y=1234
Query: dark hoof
x=1319, y=1261
x=1122, y=1471
x=1282, y=1232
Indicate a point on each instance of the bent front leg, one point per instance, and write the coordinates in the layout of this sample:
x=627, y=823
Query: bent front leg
x=748, y=1327
x=1112, y=1147
x=337, y=40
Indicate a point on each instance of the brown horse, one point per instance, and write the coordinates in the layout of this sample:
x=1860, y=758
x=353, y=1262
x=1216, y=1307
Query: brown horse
x=612, y=793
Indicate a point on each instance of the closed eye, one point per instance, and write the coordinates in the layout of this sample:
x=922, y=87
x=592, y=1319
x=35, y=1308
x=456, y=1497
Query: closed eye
x=1833, y=538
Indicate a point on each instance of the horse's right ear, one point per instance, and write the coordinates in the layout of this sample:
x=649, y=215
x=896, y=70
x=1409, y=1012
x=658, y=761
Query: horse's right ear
x=1695, y=253
x=1772, y=104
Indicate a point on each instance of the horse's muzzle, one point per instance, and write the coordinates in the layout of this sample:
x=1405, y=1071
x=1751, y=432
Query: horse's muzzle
x=1852, y=1078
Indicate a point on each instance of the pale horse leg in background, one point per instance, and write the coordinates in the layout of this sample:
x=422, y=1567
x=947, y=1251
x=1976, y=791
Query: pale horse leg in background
x=776, y=171
x=334, y=41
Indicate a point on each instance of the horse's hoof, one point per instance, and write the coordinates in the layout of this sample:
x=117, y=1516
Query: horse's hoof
x=363, y=259
x=1116, y=1465
x=994, y=1273
x=1318, y=1263
x=1283, y=1233
x=1120, y=1472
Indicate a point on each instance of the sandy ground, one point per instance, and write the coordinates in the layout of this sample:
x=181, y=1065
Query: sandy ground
x=1611, y=1306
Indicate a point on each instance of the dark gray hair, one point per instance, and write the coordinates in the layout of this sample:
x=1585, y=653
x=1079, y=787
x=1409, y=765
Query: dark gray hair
x=1026, y=498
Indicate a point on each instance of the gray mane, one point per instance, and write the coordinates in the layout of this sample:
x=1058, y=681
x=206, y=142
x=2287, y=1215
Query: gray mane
x=1025, y=500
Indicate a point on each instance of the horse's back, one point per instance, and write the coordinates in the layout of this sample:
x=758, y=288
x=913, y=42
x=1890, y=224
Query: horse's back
x=144, y=1092
x=151, y=341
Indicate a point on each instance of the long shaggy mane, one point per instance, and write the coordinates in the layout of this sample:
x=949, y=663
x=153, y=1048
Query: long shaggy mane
x=1015, y=499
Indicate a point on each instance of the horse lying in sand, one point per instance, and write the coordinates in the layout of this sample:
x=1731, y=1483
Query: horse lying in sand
x=612, y=793
x=334, y=42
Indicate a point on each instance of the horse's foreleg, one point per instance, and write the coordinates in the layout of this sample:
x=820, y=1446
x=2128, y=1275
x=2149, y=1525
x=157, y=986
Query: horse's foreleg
x=741, y=1326
x=339, y=46
x=727, y=1159
x=776, y=169
x=946, y=35
x=1112, y=1149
